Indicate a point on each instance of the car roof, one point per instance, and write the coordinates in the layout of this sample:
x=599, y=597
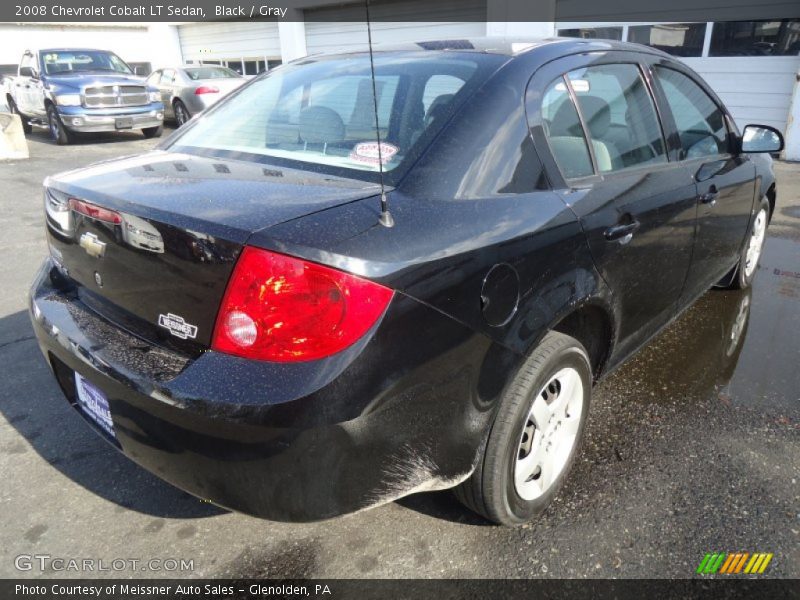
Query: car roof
x=508, y=46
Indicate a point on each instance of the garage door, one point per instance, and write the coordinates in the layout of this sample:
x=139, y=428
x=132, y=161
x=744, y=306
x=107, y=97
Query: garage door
x=756, y=89
x=230, y=40
x=343, y=28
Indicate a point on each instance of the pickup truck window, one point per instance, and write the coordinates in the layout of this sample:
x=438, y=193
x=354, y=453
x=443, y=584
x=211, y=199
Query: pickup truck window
x=70, y=61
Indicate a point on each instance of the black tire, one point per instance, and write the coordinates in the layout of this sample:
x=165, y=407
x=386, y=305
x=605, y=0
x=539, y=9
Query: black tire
x=182, y=114
x=491, y=491
x=740, y=279
x=59, y=134
x=153, y=132
x=26, y=124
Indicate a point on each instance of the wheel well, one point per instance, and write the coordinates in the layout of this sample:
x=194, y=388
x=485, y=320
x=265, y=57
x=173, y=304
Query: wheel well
x=771, y=196
x=591, y=326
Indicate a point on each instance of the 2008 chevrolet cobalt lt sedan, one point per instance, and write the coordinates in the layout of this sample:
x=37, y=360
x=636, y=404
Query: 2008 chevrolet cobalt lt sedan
x=351, y=281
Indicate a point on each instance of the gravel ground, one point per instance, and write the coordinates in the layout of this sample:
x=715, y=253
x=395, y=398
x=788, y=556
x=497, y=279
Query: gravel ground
x=692, y=447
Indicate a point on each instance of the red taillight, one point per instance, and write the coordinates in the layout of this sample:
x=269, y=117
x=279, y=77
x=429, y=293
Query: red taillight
x=95, y=212
x=284, y=309
x=206, y=89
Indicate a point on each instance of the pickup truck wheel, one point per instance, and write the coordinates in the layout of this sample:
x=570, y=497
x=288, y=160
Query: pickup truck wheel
x=60, y=134
x=182, y=115
x=26, y=124
x=535, y=435
x=153, y=132
x=745, y=270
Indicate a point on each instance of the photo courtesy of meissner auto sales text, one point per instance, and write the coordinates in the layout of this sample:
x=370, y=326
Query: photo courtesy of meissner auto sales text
x=399, y=299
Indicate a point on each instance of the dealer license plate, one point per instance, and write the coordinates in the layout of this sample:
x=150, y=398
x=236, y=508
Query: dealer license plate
x=94, y=404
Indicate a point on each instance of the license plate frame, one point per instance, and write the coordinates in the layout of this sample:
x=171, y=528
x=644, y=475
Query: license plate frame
x=123, y=123
x=93, y=403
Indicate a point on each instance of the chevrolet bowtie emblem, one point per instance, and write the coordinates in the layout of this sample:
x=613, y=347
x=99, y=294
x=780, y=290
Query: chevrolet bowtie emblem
x=92, y=245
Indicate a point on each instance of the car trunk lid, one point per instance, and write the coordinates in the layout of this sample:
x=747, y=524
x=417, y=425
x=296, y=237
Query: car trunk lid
x=153, y=239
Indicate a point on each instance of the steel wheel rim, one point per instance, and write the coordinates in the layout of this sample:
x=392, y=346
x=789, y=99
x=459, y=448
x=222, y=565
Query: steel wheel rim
x=756, y=242
x=549, y=435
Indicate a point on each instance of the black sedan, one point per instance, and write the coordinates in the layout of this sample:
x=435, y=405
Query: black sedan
x=348, y=282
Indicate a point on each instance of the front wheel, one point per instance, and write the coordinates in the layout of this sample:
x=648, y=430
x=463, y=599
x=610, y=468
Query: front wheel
x=60, y=134
x=153, y=132
x=751, y=253
x=535, y=436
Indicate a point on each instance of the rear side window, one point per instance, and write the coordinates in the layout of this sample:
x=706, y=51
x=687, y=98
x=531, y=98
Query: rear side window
x=620, y=116
x=564, y=132
x=699, y=120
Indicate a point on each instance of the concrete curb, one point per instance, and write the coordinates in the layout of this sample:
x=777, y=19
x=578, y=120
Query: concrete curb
x=13, y=145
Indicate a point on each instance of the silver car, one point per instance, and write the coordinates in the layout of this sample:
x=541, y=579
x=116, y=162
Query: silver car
x=188, y=90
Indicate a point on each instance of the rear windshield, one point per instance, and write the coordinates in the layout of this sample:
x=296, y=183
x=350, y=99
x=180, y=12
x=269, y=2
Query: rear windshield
x=195, y=73
x=319, y=114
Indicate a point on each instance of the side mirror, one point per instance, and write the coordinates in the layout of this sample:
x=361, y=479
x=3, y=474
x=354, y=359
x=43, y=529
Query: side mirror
x=27, y=72
x=761, y=138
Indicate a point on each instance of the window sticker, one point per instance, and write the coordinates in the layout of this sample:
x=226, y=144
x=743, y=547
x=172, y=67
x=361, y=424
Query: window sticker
x=367, y=152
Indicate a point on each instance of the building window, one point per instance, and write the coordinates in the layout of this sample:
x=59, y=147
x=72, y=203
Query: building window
x=141, y=68
x=756, y=38
x=678, y=39
x=271, y=64
x=593, y=33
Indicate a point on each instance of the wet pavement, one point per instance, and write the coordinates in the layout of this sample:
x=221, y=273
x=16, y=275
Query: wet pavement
x=692, y=447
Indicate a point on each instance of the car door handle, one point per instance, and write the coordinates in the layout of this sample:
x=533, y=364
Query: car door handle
x=710, y=197
x=622, y=232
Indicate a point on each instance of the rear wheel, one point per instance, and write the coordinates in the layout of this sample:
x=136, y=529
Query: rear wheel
x=26, y=124
x=182, y=115
x=751, y=253
x=151, y=132
x=535, y=436
x=60, y=134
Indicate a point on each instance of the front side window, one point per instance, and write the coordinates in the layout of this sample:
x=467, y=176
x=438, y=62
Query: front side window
x=700, y=123
x=678, y=39
x=154, y=78
x=319, y=113
x=756, y=38
x=620, y=116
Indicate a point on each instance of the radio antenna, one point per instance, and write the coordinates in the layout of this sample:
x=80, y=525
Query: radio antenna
x=386, y=218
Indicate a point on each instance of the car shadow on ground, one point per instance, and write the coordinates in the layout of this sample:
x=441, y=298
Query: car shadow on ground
x=443, y=505
x=34, y=406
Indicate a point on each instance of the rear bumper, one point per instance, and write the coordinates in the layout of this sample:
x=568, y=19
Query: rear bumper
x=286, y=442
x=77, y=118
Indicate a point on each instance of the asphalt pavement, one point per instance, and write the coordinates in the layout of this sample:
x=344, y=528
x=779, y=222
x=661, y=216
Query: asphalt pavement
x=693, y=447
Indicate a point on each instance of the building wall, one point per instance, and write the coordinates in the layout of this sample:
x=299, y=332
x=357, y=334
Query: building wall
x=330, y=29
x=135, y=43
